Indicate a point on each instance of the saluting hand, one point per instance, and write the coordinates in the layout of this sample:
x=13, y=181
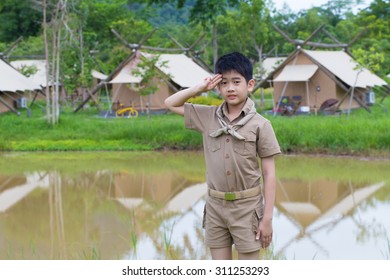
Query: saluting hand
x=210, y=83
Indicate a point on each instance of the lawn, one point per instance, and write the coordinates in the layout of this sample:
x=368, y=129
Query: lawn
x=361, y=133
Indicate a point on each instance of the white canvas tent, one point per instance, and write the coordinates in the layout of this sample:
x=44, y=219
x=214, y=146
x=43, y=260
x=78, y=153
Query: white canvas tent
x=37, y=78
x=11, y=80
x=296, y=73
x=317, y=76
x=97, y=75
x=270, y=64
x=180, y=72
x=345, y=68
x=12, y=86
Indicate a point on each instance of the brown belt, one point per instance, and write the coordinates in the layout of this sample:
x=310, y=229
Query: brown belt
x=235, y=195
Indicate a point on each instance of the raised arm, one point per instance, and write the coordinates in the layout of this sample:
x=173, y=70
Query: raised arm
x=175, y=102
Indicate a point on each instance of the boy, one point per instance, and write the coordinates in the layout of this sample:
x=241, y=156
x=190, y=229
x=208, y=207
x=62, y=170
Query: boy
x=234, y=136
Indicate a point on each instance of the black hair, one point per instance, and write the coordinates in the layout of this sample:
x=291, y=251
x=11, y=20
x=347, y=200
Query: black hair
x=235, y=61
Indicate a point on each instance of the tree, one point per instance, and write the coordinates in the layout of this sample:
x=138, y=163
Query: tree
x=376, y=19
x=148, y=69
x=370, y=60
x=19, y=18
x=52, y=38
x=205, y=12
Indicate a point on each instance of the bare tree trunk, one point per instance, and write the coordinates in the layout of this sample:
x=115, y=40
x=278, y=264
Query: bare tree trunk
x=259, y=50
x=352, y=93
x=52, y=94
x=62, y=10
x=215, y=44
x=47, y=89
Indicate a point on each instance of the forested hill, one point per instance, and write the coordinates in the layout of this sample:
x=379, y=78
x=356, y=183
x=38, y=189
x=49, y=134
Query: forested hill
x=211, y=27
x=163, y=14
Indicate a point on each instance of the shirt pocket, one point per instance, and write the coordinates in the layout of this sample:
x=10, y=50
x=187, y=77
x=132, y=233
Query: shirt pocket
x=214, y=143
x=248, y=146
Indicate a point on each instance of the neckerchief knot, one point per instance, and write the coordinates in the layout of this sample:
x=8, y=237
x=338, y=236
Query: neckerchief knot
x=232, y=129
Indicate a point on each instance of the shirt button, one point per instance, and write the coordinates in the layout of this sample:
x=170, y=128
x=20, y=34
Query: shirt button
x=228, y=173
x=227, y=140
x=227, y=156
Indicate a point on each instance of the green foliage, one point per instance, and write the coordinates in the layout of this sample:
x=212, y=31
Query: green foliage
x=19, y=18
x=244, y=26
x=206, y=12
x=360, y=134
x=376, y=19
x=206, y=100
x=370, y=59
x=28, y=70
x=148, y=70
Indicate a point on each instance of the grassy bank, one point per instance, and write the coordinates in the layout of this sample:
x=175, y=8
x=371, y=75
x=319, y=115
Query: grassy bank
x=361, y=133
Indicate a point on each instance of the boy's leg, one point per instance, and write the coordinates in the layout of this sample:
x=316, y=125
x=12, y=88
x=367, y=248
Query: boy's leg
x=249, y=256
x=221, y=253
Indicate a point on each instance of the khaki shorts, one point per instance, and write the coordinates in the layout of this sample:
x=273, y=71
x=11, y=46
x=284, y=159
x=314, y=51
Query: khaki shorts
x=233, y=222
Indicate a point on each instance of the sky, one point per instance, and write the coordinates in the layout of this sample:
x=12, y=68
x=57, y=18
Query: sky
x=297, y=5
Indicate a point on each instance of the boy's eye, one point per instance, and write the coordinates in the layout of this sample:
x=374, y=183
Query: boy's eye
x=223, y=83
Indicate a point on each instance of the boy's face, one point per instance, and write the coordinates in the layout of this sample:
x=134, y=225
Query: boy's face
x=234, y=89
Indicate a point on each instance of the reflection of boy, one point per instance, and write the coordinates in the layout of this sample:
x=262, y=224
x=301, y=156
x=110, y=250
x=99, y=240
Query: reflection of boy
x=234, y=136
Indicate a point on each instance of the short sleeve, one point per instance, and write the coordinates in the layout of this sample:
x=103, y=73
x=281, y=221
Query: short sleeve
x=267, y=144
x=197, y=116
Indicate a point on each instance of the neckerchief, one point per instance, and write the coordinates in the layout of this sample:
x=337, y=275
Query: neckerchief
x=232, y=129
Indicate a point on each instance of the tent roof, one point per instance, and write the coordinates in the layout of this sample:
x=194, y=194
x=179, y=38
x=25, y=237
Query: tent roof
x=344, y=67
x=182, y=69
x=12, y=80
x=98, y=75
x=40, y=76
x=296, y=73
x=271, y=63
x=125, y=76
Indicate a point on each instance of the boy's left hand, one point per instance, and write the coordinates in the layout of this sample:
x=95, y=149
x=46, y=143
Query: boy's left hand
x=264, y=233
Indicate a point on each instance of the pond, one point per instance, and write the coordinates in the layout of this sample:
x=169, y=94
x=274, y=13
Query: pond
x=149, y=205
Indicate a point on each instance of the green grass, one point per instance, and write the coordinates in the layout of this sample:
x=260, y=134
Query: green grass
x=85, y=131
x=361, y=133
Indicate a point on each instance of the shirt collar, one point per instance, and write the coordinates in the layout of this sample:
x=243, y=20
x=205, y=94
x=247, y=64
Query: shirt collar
x=245, y=110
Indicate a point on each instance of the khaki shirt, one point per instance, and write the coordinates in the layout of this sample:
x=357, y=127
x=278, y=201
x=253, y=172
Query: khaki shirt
x=232, y=164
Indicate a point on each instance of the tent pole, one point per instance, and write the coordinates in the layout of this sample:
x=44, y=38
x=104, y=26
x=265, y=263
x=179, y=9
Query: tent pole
x=308, y=98
x=9, y=106
x=307, y=94
x=280, y=98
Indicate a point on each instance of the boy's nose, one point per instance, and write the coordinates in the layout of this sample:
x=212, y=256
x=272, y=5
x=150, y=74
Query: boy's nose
x=230, y=87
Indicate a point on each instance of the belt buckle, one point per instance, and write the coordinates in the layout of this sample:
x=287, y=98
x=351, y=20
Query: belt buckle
x=229, y=196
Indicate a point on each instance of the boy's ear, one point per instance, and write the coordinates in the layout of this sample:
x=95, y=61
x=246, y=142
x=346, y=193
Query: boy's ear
x=251, y=84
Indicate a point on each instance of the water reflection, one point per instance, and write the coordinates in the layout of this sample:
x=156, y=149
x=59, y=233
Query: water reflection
x=150, y=206
x=318, y=208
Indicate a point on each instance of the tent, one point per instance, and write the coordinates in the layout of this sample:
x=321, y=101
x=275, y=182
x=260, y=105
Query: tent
x=40, y=76
x=12, y=86
x=179, y=71
x=314, y=77
x=270, y=64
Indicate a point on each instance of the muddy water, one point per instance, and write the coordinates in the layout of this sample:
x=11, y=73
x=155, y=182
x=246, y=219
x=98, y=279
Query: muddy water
x=149, y=205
